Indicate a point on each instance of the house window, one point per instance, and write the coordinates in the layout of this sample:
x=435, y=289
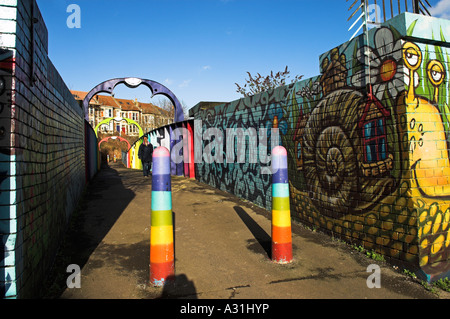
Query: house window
x=374, y=140
x=132, y=129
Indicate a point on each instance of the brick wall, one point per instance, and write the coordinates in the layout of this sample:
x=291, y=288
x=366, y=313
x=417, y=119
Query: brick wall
x=371, y=169
x=42, y=151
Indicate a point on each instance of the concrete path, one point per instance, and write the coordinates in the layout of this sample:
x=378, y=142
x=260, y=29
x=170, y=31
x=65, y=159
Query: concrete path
x=222, y=250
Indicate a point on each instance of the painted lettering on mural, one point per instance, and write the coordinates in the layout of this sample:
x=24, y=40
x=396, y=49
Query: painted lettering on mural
x=240, y=173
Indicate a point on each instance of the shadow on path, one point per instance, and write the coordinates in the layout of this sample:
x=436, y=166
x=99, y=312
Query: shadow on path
x=102, y=203
x=264, y=240
x=179, y=287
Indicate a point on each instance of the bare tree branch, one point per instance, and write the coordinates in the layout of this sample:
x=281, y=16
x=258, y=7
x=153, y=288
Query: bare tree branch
x=259, y=83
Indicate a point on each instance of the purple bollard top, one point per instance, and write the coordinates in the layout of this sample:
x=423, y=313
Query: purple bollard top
x=279, y=150
x=161, y=152
x=279, y=165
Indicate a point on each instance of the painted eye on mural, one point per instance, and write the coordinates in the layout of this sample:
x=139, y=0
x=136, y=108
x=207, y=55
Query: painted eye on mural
x=412, y=55
x=436, y=72
x=437, y=76
x=412, y=58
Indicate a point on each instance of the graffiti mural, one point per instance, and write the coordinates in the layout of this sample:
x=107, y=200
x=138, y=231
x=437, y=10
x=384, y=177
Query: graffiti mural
x=241, y=174
x=370, y=150
x=367, y=144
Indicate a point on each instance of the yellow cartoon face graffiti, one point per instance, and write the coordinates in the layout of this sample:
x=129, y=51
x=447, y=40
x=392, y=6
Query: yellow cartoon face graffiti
x=427, y=140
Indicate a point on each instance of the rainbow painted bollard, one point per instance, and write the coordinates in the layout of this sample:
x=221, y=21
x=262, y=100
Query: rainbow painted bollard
x=281, y=212
x=161, y=232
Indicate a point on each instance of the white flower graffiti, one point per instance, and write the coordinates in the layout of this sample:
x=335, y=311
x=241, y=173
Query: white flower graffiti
x=387, y=72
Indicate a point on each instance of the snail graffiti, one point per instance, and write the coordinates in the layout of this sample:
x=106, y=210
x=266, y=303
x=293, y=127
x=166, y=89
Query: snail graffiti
x=370, y=149
x=368, y=154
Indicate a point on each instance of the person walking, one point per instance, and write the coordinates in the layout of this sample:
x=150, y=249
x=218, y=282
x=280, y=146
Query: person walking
x=145, y=154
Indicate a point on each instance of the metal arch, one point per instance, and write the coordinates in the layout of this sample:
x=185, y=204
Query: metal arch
x=129, y=121
x=155, y=87
x=113, y=138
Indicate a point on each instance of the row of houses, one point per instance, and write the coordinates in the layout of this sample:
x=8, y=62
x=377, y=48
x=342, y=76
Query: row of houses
x=101, y=107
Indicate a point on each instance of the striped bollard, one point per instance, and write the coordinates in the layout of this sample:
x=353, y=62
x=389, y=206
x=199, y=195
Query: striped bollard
x=161, y=232
x=281, y=213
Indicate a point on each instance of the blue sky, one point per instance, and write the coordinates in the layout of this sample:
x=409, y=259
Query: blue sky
x=197, y=48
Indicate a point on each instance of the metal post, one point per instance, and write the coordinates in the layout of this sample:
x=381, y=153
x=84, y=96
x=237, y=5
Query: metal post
x=416, y=6
x=281, y=213
x=161, y=232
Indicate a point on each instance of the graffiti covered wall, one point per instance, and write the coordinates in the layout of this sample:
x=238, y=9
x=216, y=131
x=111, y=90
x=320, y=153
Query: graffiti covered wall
x=42, y=152
x=234, y=144
x=7, y=237
x=367, y=143
x=373, y=166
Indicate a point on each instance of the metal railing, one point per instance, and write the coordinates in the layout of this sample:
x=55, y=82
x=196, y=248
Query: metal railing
x=381, y=10
x=375, y=12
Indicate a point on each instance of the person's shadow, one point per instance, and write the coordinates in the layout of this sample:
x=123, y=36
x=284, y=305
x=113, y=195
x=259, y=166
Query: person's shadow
x=178, y=287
